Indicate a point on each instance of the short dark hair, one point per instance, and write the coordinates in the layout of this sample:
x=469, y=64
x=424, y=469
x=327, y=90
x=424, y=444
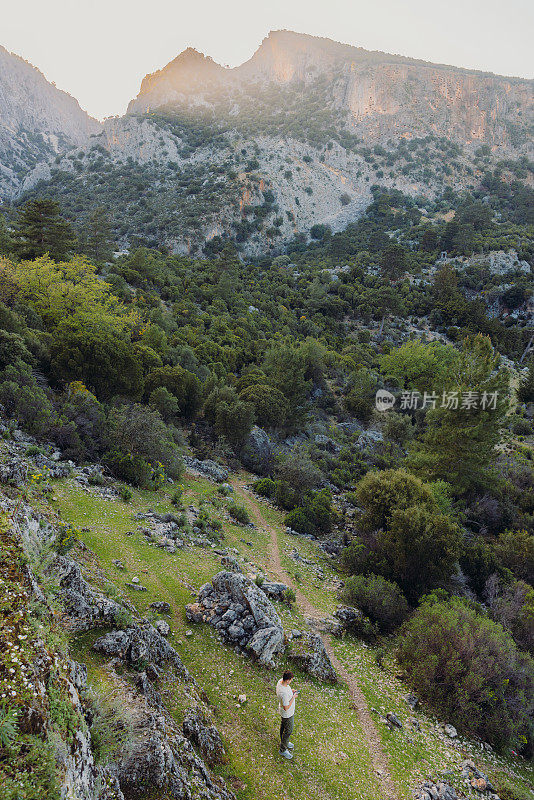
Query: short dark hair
x=287, y=675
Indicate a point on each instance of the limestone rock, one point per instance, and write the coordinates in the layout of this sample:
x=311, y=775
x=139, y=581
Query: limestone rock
x=257, y=454
x=242, y=614
x=207, y=468
x=141, y=643
x=205, y=736
x=310, y=654
x=160, y=606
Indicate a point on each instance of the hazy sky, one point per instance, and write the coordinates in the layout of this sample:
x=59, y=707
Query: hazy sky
x=99, y=50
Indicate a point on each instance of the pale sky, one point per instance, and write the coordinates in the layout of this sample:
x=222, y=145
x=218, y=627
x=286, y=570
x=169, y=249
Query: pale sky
x=99, y=50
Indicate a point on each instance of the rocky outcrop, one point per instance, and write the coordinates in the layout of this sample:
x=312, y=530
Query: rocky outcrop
x=257, y=454
x=86, y=607
x=435, y=790
x=241, y=613
x=309, y=653
x=205, y=736
x=141, y=644
x=208, y=469
x=158, y=758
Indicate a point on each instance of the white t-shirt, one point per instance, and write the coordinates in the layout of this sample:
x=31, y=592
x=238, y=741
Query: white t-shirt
x=285, y=694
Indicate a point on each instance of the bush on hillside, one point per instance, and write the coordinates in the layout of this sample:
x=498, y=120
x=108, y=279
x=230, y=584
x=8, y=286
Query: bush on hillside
x=470, y=670
x=381, y=600
x=238, y=512
x=265, y=487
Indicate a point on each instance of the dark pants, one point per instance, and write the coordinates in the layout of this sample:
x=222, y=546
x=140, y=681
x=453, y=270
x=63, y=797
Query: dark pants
x=286, y=729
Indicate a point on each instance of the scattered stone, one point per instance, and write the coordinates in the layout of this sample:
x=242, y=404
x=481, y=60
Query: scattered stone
x=160, y=606
x=162, y=627
x=242, y=698
x=118, y=563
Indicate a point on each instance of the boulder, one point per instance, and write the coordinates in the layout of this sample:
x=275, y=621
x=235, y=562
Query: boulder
x=450, y=731
x=242, y=614
x=326, y=443
x=13, y=471
x=230, y=563
x=86, y=607
x=257, y=454
x=274, y=589
x=309, y=653
x=205, y=736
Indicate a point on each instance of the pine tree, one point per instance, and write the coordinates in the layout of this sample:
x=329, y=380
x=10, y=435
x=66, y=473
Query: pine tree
x=41, y=229
x=6, y=240
x=99, y=236
x=459, y=443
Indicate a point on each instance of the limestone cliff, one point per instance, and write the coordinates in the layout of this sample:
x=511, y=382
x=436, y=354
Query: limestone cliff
x=37, y=121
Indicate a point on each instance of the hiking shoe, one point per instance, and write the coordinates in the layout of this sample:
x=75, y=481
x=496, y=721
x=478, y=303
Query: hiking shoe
x=290, y=745
x=286, y=754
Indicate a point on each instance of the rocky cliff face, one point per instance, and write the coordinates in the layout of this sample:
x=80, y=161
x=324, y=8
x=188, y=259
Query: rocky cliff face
x=297, y=135
x=380, y=94
x=37, y=121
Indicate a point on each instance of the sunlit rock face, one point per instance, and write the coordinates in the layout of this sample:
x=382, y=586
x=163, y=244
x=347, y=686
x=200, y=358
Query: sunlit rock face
x=37, y=121
x=297, y=135
x=381, y=95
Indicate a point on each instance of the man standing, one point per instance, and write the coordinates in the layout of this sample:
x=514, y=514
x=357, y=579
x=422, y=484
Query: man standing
x=286, y=707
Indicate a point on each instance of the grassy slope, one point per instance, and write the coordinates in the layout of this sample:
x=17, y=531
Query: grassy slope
x=332, y=759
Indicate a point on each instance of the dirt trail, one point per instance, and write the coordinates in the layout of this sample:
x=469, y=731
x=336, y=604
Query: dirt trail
x=378, y=757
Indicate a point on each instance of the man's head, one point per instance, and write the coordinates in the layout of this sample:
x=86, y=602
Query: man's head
x=287, y=677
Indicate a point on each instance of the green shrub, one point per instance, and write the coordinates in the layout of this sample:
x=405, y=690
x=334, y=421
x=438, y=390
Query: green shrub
x=96, y=479
x=238, y=512
x=130, y=468
x=469, y=669
x=265, y=487
x=176, y=499
x=381, y=600
x=505, y=789
x=299, y=521
x=125, y=494
x=289, y=596
x=8, y=725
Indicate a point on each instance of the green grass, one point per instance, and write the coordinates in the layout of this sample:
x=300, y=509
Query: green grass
x=332, y=759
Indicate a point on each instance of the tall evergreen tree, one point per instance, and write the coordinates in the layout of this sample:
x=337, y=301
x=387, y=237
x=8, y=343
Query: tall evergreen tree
x=464, y=428
x=41, y=229
x=6, y=240
x=99, y=236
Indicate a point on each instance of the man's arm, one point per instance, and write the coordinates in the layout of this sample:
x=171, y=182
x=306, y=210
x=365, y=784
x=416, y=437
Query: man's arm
x=286, y=708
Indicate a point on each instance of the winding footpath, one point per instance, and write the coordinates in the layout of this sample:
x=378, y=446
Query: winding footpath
x=378, y=756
